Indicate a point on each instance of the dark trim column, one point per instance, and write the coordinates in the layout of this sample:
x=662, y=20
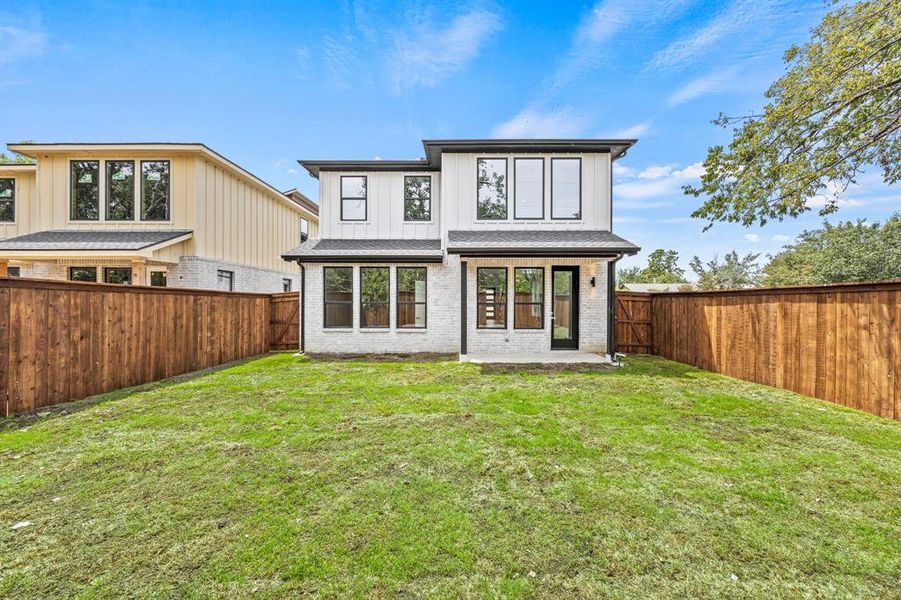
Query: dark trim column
x=611, y=306
x=303, y=302
x=463, y=302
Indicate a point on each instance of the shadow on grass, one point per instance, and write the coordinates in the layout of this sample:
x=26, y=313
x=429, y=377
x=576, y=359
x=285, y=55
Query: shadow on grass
x=653, y=366
x=67, y=408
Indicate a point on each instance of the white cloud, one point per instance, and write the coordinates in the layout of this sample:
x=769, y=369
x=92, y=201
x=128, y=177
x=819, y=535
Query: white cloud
x=424, y=55
x=751, y=237
x=656, y=181
x=640, y=190
x=633, y=132
x=656, y=172
x=532, y=123
x=622, y=171
x=20, y=43
x=782, y=238
x=711, y=83
x=692, y=171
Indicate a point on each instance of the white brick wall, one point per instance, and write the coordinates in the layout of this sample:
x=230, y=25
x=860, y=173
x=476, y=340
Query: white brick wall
x=197, y=272
x=592, y=309
x=442, y=332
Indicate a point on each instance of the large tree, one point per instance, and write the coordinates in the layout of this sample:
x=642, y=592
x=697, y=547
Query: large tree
x=731, y=274
x=835, y=112
x=848, y=251
x=662, y=267
x=15, y=158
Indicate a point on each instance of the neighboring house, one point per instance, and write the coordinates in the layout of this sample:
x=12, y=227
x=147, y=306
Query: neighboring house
x=658, y=287
x=177, y=215
x=482, y=247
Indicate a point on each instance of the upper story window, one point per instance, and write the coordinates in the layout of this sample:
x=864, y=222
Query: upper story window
x=7, y=199
x=528, y=193
x=566, y=188
x=417, y=198
x=120, y=190
x=85, y=190
x=491, y=176
x=304, y=229
x=353, y=198
x=155, y=190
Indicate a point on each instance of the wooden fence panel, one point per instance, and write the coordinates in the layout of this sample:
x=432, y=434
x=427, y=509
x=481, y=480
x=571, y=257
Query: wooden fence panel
x=840, y=343
x=62, y=341
x=284, y=323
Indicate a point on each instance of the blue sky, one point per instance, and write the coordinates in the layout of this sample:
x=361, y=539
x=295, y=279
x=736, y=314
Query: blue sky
x=267, y=83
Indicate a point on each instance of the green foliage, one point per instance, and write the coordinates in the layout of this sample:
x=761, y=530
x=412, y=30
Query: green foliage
x=14, y=158
x=417, y=198
x=835, y=111
x=732, y=273
x=663, y=267
x=849, y=251
x=492, y=193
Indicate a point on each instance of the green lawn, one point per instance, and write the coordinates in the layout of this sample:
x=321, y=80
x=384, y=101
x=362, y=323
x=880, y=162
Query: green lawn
x=286, y=476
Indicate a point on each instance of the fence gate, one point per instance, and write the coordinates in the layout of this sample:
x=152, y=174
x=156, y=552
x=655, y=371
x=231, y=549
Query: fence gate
x=633, y=322
x=284, y=321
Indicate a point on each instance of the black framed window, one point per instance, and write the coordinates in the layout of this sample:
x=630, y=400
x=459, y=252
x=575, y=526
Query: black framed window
x=286, y=285
x=353, y=198
x=225, y=280
x=158, y=279
x=528, y=192
x=119, y=275
x=375, y=297
x=528, y=298
x=304, y=229
x=338, y=295
x=566, y=188
x=491, y=174
x=491, y=297
x=7, y=200
x=412, y=292
x=120, y=190
x=155, y=190
x=83, y=274
x=85, y=190
x=417, y=198
x=13, y=271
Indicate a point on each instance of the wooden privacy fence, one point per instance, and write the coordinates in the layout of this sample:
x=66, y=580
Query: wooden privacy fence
x=840, y=343
x=62, y=341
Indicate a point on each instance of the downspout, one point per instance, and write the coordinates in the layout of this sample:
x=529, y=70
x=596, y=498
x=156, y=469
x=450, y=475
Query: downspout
x=303, y=294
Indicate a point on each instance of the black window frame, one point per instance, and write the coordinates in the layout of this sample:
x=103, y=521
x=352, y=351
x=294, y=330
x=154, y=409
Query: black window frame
x=326, y=303
x=365, y=197
x=540, y=304
x=11, y=200
x=107, y=191
x=579, y=216
x=131, y=275
x=287, y=284
x=168, y=191
x=506, y=216
x=398, y=302
x=428, y=218
x=228, y=276
x=386, y=302
x=71, y=269
x=165, y=275
x=479, y=303
x=73, y=190
x=516, y=191
x=14, y=272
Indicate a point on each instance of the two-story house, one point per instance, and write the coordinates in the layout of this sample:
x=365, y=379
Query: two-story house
x=483, y=247
x=177, y=215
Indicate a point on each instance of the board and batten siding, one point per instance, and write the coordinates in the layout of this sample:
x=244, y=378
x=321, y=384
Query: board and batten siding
x=459, y=190
x=385, y=208
x=25, y=196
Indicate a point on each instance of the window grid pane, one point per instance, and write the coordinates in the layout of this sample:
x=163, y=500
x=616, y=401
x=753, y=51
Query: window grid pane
x=120, y=190
x=411, y=297
x=155, y=190
x=528, y=298
x=491, y=297
x=7, y=200
x=491, y=184
x=417, y=198
x=85, y=190
x=566, y=183
x=375, y=297
x=528, y=197
x=353, y=198
x=83, y=274
x=338, y=295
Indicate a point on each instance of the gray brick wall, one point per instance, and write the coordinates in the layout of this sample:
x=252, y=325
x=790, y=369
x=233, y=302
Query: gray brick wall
x=197, y=272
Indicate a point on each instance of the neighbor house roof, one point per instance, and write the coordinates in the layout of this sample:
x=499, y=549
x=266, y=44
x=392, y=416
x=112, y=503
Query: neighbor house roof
x=33, y=150
x=93, y=240
x=539, y=242
x=295, y=195
x=343, y=250
x=435, y=148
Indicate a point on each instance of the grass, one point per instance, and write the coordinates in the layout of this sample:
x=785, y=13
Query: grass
x=288, y=476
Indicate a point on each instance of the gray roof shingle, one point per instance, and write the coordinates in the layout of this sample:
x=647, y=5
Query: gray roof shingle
x=319, y=250
x=560, y=240
x=91, y=240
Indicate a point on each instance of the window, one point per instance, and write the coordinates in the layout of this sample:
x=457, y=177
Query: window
x=339, y=296
x=82, y=273
x=491, y=298
x=528, y=193
x=85, y=190
x=566, y=188
x=353, y=198
x=304, y=229
x=119, y=275
x=528, y=298
x=286, y=285
x=158, y=279
x=225, y=280
x=7, y=200
x=492, y=188
x=120, y=190
x=155, y=190
x=417, y=198
x=375, y=297
x=411, y=297
x=13, y=271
